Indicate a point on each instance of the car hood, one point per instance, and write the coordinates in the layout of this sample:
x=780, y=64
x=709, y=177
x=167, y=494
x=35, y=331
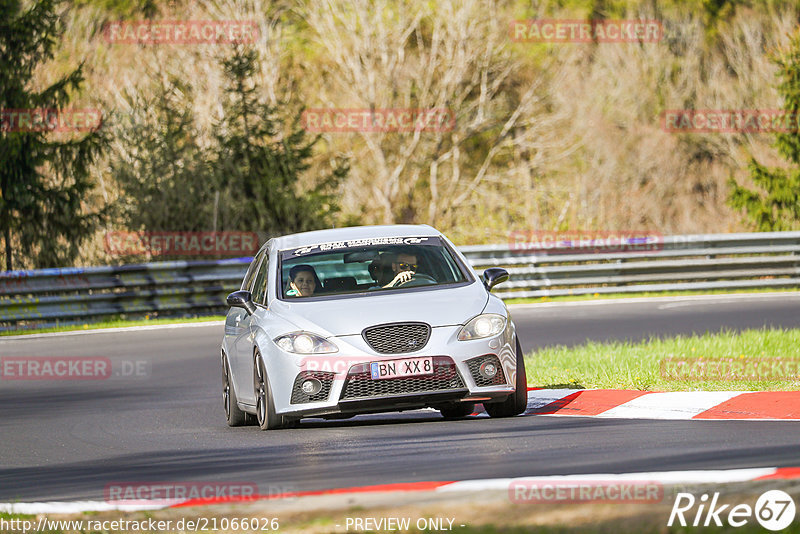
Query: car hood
x=350, y=315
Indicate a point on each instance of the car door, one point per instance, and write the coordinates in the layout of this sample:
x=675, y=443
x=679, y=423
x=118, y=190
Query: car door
x=244, y=341
x=237, y=333
x=234, y=316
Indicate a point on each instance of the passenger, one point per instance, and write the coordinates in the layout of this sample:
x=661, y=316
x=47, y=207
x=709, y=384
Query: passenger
x=303, y=281
x=404, y=266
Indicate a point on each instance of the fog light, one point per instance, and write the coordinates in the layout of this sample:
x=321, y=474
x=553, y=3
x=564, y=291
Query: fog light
x=488, y=370
x=311, y=386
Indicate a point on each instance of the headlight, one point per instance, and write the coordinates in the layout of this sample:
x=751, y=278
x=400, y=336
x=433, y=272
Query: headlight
x=305, y=343
x=485, y=325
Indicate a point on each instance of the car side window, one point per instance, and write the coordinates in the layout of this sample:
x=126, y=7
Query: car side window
x=260, y=286
x=251, y=271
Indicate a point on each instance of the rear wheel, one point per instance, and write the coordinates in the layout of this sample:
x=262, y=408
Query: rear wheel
x=456, y=411
x=233, y=414
x=265, y=408
x=516, y=403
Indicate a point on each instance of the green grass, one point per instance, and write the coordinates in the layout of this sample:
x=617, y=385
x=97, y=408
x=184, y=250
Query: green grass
x=115, y=323
x=8, y=515
x=638, y=366
x=601, y=296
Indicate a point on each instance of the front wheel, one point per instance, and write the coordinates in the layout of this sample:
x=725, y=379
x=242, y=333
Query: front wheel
x=265, y=407
x=516, y=403
x=233, y=414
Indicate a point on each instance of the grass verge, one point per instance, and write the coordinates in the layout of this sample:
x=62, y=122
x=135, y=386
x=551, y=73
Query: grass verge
x=751, y=360
x=115, y=323
x=484, y=512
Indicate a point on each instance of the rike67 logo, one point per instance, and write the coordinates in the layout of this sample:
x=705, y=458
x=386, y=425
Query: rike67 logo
x=774, y=510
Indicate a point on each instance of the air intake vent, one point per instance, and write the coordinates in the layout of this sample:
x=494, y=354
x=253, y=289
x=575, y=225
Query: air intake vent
x=325, y=379
x=481, y=381
x=359, y=384
x=397, y=338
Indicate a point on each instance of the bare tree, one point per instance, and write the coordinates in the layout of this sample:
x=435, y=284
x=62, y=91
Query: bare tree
x=453, y=55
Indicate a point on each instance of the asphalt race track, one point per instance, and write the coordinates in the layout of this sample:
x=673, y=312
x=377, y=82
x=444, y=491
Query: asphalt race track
x=67, y=440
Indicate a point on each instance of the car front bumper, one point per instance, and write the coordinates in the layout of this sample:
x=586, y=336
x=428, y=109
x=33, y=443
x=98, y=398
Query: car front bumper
x=348, y=389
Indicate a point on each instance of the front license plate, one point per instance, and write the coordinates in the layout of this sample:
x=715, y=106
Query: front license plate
x=401, y=368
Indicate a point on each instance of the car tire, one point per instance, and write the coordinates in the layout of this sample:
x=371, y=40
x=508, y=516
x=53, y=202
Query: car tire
x=516, y=403
x=457, y=411
x=233, y=414
x=266, y=417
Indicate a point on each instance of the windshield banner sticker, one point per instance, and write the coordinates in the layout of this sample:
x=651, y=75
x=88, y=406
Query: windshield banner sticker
x=336, y=245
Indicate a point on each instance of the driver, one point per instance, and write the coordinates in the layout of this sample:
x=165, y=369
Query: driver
x=404, y=266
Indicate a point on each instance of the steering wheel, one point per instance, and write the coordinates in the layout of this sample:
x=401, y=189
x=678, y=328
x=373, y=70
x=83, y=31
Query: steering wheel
x=418, y=279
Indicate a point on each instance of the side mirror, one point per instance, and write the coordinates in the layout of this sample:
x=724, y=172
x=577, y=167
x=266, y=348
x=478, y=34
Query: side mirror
x=242, y=299
x=493, y=276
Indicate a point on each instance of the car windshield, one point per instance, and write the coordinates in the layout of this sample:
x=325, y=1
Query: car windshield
x=368, y=265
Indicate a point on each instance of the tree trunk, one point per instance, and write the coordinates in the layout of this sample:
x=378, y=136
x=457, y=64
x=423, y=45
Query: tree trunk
x=8, y=249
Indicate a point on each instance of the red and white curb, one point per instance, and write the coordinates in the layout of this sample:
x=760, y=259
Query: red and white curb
x=627, y=404
x=493, y=484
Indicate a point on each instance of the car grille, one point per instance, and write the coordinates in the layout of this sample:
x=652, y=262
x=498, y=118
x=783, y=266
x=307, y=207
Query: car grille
x=396, y=338
x=326, y=379
x=359, y=383
x=474, y=369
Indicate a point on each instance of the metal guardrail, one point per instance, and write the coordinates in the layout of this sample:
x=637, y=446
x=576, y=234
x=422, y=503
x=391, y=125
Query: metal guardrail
x=31, y=299
x=683, y=262
x=689, y=262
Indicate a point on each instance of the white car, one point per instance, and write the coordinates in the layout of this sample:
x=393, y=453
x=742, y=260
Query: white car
x=339, y=322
